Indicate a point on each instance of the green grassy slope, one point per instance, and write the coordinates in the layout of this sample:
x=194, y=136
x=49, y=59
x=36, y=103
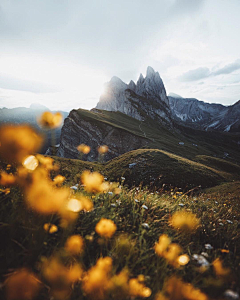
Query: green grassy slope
x=152, y=167
x=157, y=167
x=208, y=143
x=198, y=162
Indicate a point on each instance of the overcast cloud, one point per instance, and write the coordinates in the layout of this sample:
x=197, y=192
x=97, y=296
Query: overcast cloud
x=60, y=52
x=201, y=73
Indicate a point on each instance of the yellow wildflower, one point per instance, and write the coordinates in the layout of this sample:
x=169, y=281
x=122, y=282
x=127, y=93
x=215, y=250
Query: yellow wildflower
x=30, y=163
x=83, y=148
x=7, y=179
x=22, y=285
x=72, y=207
x=58, y=274
x=179, y=290
x=50, y=120
x=171, y=255
x=183, y=220
x=17, y=142
x=51, y=228
x=102, y=149
x=219, y=269
x=74, y=245
x=182, y=260
x=119, y=285
x=138, y=289
x=78, y=204
x=96, y=282
x=93, y=182
x=106, y=228
x=58, y=180
x=41, y=195
x=47, y=162
x=5, y=191
x=162, y=245
x=160, y=296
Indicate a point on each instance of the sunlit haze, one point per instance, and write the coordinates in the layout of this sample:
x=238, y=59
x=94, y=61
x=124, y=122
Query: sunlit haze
x=60, y=53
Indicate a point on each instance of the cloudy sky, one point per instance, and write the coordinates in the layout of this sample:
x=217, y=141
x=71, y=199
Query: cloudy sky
x=60, y=52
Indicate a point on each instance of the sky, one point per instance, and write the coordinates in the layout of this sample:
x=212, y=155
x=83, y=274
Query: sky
x=59, y=53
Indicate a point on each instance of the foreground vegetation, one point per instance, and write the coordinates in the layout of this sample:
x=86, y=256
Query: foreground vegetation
x=68, y=233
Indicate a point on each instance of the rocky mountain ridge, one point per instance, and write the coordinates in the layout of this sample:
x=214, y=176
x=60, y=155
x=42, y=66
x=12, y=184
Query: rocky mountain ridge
x=146, y=98
x=83, y=127
x=205, y=116
x=140, y=115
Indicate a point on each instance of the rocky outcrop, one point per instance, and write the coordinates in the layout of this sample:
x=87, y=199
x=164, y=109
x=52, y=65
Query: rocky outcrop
x=83, y=130
x=146, y=98
x=205, y=116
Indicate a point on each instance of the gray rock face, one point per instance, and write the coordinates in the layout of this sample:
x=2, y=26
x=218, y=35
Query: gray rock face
x=205, y=116
x=152, y=86
x=147, y=98
x=78, y=130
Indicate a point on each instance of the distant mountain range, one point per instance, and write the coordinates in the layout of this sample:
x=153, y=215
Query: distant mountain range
x=148, y=97
x=151, y=137
x=201, y=115
x=141, y=115
x=25, y=115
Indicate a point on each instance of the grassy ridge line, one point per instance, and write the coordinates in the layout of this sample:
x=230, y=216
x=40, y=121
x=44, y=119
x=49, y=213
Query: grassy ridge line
x=153, y=166
x=161, y=167
x=219, y=164
x=208, y=143
x=119, y=120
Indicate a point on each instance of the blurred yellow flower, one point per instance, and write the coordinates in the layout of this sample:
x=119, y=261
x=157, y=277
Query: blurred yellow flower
x=74, y=205
x=160, y=296
x=42, y=196
x=183, y=220
x=58, y=180
x=22, y=285
x=71, y=208
x=93, y=182
x=138, y=289
x=183, y=259
x=51, y=228
x=179, y=290
x=97, y=282
x=47, y=162
x=83, y=148
x=80, y=203
x=162, y=245
x=106, y=228
x=219, y=269
x=119, y=285
x=172, y=253
x=74, y=244
x=7, y=179
x=50, y=120
x=102, y=149
x=17, y=142
x=30, y=163
x=57, y=274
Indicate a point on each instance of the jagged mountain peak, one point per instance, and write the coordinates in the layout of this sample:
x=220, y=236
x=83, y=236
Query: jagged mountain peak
x=115, y=79
x=145, y=98
x=132, y=85
x=116, y=82
x=150, y=71
x=152, y=86
x=140, y=79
